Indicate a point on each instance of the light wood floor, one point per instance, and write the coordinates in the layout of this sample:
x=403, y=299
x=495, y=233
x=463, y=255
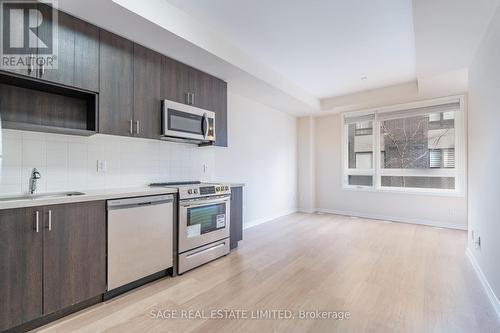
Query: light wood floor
x=391, y=277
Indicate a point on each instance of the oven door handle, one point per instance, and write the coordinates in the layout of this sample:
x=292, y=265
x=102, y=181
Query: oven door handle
x=195, y=203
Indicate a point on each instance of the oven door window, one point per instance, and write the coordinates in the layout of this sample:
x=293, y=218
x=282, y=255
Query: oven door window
x=205, y=219
x=185, y=122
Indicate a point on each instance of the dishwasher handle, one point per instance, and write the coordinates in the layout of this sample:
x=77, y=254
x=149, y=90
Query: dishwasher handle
x=138, y=202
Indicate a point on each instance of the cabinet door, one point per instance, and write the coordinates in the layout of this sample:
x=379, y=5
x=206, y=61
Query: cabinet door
x=202, y=85
x=116, y=85
x=174, y=80
x=20, y=267
x=147, y=93
x=220, y=107
x=86, y=55
x=28, y=51
x=210, y=93
x=236, y=226
x=74, y=253
x=64, y=72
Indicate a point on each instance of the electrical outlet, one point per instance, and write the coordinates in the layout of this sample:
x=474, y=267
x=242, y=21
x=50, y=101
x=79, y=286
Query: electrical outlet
x=205, y=168
x=452, y=211
x=102, y=166
x=478, y=242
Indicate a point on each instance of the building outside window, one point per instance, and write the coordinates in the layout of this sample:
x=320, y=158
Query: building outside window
x=407, y=149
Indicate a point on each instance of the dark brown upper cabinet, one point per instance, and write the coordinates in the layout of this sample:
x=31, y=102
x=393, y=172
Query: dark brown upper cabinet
x=210, y=93
x=184, y=84
x=74, y=253
x=201, y=87
x=20, y=266
x=220, y=108
x=147, y=93
x=64, y=72
x=77, y=51
x=30, y=51
x=130, y=80
x=175, y=80
x=116, y=97
x=86, y=55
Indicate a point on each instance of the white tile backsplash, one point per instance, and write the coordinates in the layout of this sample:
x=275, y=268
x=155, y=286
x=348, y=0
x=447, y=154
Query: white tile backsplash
x=70, y=162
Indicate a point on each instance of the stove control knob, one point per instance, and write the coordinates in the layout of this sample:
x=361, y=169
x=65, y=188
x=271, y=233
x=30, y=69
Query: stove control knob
x=195, y=190
x=217, y=188
x=190, y=191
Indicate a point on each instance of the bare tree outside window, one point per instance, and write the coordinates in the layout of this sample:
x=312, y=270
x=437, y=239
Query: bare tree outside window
x=418, y=142
x=410, y=148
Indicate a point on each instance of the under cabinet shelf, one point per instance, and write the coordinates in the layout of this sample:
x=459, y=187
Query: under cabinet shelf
x=46, y=129
x=35, y=105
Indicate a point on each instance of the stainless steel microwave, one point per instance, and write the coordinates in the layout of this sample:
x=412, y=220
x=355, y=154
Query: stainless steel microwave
x=187, y=122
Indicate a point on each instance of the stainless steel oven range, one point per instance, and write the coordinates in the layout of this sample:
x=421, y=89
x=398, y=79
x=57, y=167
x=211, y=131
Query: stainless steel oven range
x=204, y=222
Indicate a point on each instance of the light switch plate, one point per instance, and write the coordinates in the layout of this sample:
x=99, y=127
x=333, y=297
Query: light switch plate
x=102, y=166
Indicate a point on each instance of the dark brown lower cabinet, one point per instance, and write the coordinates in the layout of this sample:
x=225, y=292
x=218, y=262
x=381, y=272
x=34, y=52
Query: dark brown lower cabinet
x=236, y=229
x=20, y=267
x=74, y=254
x=50, y=258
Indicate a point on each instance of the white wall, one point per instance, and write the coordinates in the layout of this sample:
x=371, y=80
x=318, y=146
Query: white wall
x=484, y=155
x=306, y=168
x=447, y=84
x=331, y=197
x=262, y=153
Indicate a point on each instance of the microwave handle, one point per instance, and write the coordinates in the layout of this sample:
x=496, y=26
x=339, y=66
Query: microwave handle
x=205, y=125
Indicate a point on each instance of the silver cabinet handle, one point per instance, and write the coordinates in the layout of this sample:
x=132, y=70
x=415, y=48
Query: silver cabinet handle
x=131, y=127
x=30, y=65
x=137, y=126
x=42, y=69
x=37, y=222
x=50, y=220
x=189, y=98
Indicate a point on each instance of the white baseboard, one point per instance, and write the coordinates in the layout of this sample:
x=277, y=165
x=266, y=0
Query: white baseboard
x=393, y=218
x=307, y=210
x=491, y=295
x=267, y=219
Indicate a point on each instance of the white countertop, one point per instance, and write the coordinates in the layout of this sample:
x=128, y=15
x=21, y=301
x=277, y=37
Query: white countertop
x=237, y=184
x=90, y=195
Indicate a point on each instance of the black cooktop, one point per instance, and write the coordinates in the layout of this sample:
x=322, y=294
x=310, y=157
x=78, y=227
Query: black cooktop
x=175, y=183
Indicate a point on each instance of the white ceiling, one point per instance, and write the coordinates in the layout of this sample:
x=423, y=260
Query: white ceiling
x=307, y=56
x=161, y=26
x=323, y=46
x=448, y=32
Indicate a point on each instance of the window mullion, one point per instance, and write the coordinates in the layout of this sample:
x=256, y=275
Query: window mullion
x=376, y=154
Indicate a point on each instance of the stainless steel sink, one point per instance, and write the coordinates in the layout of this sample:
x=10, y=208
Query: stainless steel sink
x=42, y=196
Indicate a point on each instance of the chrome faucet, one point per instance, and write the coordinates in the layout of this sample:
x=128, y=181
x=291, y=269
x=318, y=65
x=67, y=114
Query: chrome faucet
x=35, y=175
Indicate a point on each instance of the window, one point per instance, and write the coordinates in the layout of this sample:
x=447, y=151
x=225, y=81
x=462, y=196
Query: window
x=405, y=149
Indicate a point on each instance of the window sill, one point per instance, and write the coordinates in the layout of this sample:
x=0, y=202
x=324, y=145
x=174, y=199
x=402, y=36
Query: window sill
x=410, y=191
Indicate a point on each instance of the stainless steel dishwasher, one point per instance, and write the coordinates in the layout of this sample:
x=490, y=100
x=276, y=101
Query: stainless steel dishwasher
x=140, y=238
